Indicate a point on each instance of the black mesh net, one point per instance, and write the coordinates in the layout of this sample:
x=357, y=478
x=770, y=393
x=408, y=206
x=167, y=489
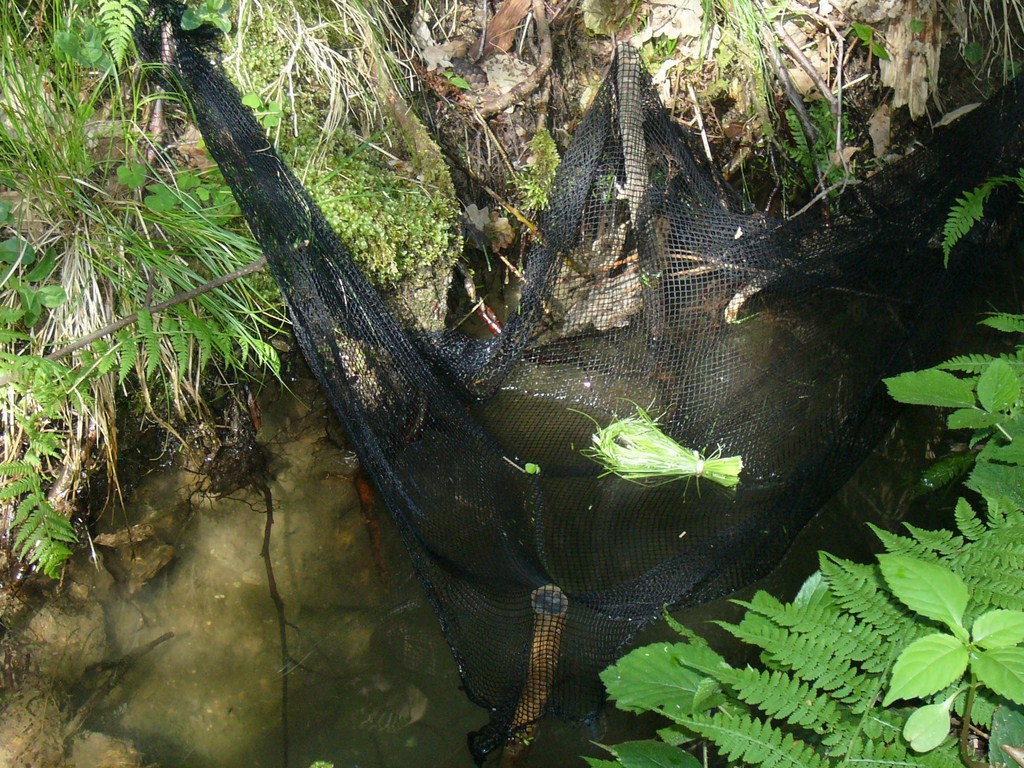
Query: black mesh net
x=652, y=286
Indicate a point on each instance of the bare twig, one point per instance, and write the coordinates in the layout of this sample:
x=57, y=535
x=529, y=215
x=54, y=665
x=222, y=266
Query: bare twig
x=532, y=83
x=117, y=325
x=700, y=122
x=825, y=193
x=805, y=65
x=792, y=94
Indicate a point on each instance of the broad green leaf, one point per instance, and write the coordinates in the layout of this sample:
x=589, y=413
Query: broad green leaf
x=253, y=101
x=928, y=726
x=931, y=387
x=1012, y=453
x=971, y=418
x=993, y=480
x=1007, y=729
x=43, y=267
x=998, y=387
x=652, y=754
x=926, y=666
x=1002, y=670
x=998, y=629
x=596, y=762
x=191, y=19
x=926, y=588
x=651, y=678
x=5, y=212
x=51, y=296
x=131, y=175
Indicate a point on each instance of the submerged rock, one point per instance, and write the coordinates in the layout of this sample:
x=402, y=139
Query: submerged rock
x=32, y=728
x=67, y=639
x=90, y=749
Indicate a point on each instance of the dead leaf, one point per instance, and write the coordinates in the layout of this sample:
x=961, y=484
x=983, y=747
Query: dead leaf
x=600, y=16
x=878, y=129
x=674, y=19
x=501, y=32
x=842, y=162
x=505, y=72
x=956, y=114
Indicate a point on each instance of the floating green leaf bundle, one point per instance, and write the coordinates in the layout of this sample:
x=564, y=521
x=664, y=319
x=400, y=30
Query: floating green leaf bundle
x=635, y=449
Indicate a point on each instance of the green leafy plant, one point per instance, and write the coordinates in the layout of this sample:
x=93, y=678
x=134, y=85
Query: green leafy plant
x=985, y=395
x=268, y=114
x=814, y=164
x=903, y=662
x=853, y=634
x=83, y=42
x=867, y=35
x=970, y=209
x=105, y=249
x=216, y=13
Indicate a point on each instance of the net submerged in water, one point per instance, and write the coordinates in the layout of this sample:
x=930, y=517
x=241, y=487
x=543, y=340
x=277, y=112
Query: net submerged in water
x=760, y=338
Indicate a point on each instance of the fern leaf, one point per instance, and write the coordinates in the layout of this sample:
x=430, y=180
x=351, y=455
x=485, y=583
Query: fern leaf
x=859, y=589
x=1003, y=321
x=752, y=741
x=151, y=341
x=118, y=19
x=968, y=211
x=9, y=468
x=945, y=543
x=967, y=363
x=823, y=658
x=128, y=351
x=174, y=330
x=783, y=697
x=903, y=545
x=967, y=521
x=19, y=487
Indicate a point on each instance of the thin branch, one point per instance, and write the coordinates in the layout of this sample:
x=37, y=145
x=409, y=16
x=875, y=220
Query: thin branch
x=823, y=194
x=805, y=65
x=124, y=322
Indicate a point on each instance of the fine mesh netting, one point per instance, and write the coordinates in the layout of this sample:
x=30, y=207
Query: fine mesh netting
x=651, y=286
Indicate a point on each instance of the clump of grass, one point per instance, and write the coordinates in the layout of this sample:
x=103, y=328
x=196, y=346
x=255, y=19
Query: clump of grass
x=96, y=226
x=636, y=449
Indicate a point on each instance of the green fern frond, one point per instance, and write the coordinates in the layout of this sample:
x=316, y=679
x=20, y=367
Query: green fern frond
x=903, y=545
x=9, y=468
x=752, y=741
x=783, y=697
x=967, y=520
x=150, y=341
x=943, y=542
x=859, y=589
x=15, y=488
x=128, y=351
x=823, y=658
x=180, y=340
x=118, y=19
x=1003, y=321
